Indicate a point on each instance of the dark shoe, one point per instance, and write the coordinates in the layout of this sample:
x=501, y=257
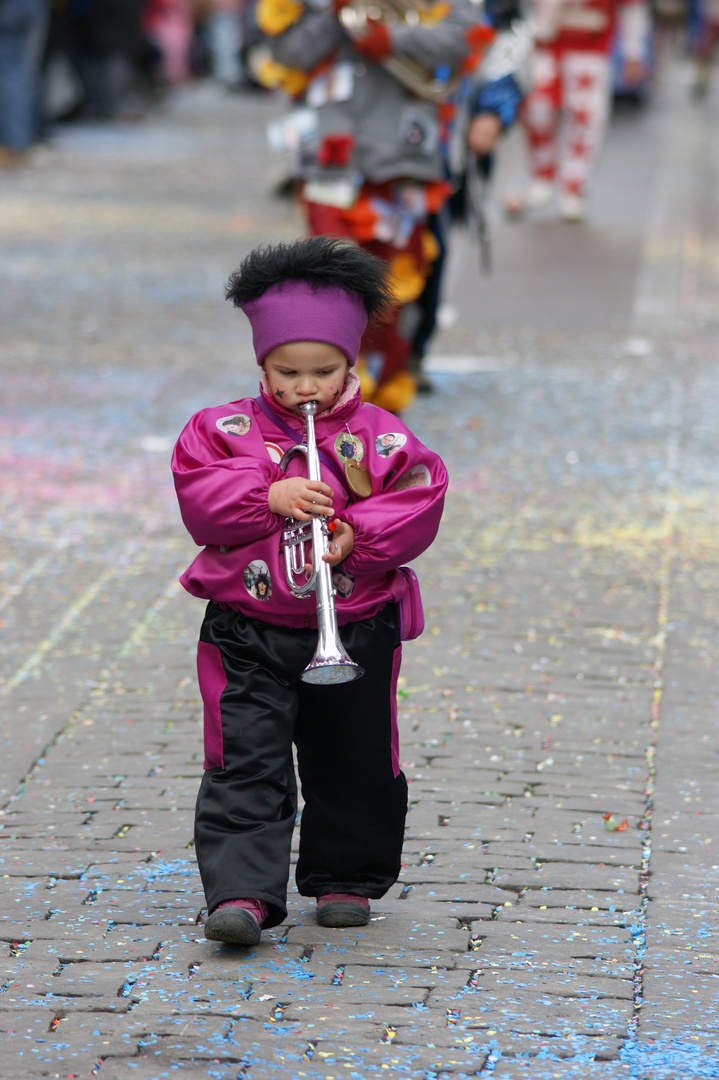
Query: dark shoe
x=236, y=922
x=342, y=909
x=414, y=366
x=424, y=386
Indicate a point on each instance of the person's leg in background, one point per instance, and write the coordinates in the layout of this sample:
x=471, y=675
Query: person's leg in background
x=586, y=93
x=539, y=116
x=23, y=26
x=430, y=300
x=223, y=33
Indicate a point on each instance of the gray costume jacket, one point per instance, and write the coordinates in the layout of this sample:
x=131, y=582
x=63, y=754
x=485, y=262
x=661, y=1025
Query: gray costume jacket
x=396, y=134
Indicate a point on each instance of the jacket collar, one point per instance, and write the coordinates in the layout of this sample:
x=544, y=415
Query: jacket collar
x=347, y=403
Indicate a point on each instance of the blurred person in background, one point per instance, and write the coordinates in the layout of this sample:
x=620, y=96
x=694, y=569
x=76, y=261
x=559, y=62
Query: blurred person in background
x=222, y=25
x=670, y=21
x=98, y=63
x=23, y=26
x=703, y=44
x=370, y=163
x=572, y=90
x=170, y=26
x=107, y=42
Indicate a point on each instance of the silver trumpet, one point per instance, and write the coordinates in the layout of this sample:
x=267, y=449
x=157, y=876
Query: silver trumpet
x=330, y=664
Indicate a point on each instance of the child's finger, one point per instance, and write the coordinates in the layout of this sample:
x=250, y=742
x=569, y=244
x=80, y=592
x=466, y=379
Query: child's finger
x=320, y=487
x=334, y=554
x=306, y=510
x=322, y=497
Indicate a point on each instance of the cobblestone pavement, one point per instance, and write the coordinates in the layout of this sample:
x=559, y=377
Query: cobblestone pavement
x=556, y=912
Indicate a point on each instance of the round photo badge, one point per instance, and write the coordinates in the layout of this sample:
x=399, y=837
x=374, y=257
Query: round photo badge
x=389, y=443
x=239, y=424
x=343, y=582
x=417, y=476
x=351, y=451
x=258, y=582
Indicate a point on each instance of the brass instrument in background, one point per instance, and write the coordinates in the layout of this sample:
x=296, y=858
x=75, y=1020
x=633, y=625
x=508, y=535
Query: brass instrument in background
x=330, y=664
x=412, y=75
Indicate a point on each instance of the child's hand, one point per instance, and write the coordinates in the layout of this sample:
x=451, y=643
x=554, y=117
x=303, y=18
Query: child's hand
x=300, y=498
x=342, y=542
x=483, y=133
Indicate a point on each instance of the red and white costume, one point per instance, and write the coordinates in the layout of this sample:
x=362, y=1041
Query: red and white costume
x=571, y=76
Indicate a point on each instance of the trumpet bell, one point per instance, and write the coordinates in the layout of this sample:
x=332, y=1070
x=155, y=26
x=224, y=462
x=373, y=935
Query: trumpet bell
x=331, y=671
x=330, y=665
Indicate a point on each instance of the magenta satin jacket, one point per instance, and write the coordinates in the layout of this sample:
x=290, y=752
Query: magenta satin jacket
x=227, y=457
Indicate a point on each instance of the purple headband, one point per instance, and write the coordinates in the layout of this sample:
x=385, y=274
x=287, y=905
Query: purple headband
x=295, y=311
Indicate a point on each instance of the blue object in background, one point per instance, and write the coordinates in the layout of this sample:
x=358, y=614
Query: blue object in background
x=636, y=91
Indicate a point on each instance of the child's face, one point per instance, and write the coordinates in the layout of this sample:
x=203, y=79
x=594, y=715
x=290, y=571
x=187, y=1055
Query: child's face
x=304, y=371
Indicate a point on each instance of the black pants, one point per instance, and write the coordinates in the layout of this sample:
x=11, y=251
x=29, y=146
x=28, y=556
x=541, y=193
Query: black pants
x=352, y=824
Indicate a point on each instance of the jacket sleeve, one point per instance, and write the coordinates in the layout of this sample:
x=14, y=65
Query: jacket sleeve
x=440, y=43
x=223, y=499
x=310, y=41
x=394, y=526
x=504, y=76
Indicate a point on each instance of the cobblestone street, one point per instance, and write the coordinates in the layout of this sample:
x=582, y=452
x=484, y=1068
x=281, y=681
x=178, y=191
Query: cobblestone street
x=556, y=916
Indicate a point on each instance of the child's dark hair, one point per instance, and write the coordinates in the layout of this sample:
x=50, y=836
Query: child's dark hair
x=322, y=261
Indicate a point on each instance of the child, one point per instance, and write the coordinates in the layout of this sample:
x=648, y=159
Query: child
x=308, y=304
